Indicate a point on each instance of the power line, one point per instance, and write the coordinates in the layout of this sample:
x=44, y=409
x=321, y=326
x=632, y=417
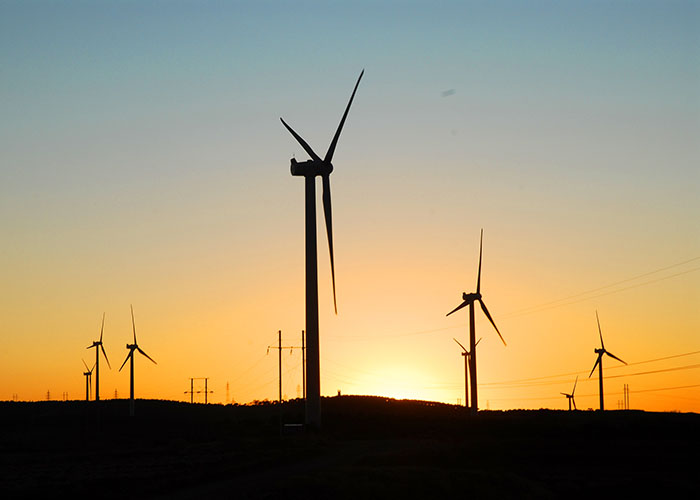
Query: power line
x=551, y=304
x=542, y=308
x=520, y=382
x=686, y=367
x=596, y=394
x=555, y=382
x=524, y=310
x=669, y=388
x=515, y=381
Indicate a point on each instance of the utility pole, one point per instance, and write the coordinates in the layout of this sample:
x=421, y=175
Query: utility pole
x=280, y=347
x=192, y=392
x=303, y=365
x=206, y=391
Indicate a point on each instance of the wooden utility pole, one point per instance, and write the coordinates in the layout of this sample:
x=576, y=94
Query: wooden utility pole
x=191, y=391
x=303, y=365
x=279, y=348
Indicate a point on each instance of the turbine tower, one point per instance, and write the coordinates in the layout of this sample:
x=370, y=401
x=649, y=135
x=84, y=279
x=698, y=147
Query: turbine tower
x=310, y=169
x=469, y=300
x=88, y=380
x=599, y=362
x=97, y=344
x=467, y=355
x=570, y=397
x=133, y=347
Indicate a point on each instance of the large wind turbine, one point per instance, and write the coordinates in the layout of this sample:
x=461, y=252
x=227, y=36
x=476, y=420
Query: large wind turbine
x=599, y=362
x=469, y=300
x=570, y=397
x=467, y=355
x=133, y=347
x=309, y=170
x=88, y=380
x=97, y=344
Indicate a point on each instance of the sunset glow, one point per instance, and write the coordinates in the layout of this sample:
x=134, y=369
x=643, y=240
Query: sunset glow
x=143, y=162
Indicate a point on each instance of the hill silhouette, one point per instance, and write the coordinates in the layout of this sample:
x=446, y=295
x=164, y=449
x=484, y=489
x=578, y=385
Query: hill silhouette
x=369, y=446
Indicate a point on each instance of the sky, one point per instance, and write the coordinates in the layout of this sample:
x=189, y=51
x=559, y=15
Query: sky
x=142, y=161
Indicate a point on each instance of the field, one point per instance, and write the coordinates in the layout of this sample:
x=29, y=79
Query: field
x=369, y=446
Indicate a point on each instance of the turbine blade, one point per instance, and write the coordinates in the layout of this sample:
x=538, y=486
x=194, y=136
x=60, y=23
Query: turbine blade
x=595, y=365
x=105, y=354
x=477, y=342
x=460, y=345
x=139, y=350
x=574, y=389
x=329, y=228
x=301, y=141
x=486, y=312
x=133, y=323
x=127, y=359
x=573, y=401
x=86, y=366
x=334, y=142
x=564, y=394
x=90, y=346
x=102, y=329
x=478, y=276
x=599, y=331
x=463, y=304
x=613, y=356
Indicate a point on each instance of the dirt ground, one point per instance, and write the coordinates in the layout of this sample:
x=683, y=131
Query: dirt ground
x=369, y=447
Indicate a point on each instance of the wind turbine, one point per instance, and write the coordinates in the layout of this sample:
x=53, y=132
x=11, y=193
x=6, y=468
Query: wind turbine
x=133, y=347
x=570, y=397
x=467, y=355
x=97, y=344
x=599, y=362
x=469, y=300
x=309, y=170
x=88, y=380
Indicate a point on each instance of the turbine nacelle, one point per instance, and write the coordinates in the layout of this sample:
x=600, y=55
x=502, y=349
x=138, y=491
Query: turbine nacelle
x=310, y=168
x=471, y=297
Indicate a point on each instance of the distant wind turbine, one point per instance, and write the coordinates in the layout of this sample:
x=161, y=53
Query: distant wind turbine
x=88, y=380
x=599, y=362
x=133, y=347
x=97, y=344
x=469, y=300
x=310, y=169
x=570, y=397
x=467, y=355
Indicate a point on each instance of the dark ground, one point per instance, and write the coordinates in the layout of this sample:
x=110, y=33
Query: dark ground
x=369, y=447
